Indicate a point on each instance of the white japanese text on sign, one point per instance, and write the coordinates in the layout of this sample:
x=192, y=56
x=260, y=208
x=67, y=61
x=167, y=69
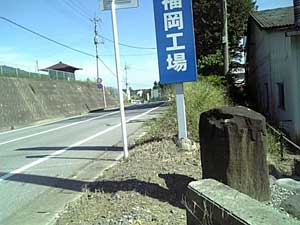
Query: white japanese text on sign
x=175, y=41
x=176, y=56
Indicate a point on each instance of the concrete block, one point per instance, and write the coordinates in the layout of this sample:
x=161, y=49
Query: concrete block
x=210, y=202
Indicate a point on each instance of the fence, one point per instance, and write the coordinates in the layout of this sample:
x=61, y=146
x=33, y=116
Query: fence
x=285, y=143
x=60, y=75
x=8, y=71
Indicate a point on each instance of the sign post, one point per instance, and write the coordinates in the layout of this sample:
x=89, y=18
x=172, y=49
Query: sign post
x=176, y=50
x=113, y=5
x=181, y=117
x=118, y=70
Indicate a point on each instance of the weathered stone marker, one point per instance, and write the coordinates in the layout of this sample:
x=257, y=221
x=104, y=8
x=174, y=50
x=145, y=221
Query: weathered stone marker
x=233, y=150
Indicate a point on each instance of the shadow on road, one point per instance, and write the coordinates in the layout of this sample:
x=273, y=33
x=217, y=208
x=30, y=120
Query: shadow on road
x=76, y=148
x=176, y=186
x=71, y=158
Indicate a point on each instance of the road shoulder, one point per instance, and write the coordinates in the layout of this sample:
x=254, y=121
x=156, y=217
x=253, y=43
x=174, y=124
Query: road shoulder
x=145, y=189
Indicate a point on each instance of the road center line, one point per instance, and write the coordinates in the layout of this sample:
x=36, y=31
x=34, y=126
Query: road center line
x=55, y=129
x=59, y=152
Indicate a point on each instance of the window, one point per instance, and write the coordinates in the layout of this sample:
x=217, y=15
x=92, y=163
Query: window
x=266, y=97
x=281, y=97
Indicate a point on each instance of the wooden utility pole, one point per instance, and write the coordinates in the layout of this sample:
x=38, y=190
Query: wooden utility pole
x=127, y=85
x=96, y=42
x=225, y=37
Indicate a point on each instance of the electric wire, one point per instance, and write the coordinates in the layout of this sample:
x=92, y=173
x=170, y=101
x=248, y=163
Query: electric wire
x=65, y=45
x=45, y=37
x=56, y=42
x=80, y=6
x=87, y=17
x=127, y=45
x=77, y=10
x=65, y=12
x=128, y=55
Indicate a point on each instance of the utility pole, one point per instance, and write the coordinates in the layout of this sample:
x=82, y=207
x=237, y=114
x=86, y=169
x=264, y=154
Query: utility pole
x=225, y=37
x=127, y=85
x=96, y=42
x=37, y=69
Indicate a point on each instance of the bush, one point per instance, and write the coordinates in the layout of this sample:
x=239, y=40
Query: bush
x=200, y=96
x=211, y=64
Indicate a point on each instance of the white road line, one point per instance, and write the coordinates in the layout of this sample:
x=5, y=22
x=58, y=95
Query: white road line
x=55, y=129
x=39, y=125
x=49, y=123
x=59, y=152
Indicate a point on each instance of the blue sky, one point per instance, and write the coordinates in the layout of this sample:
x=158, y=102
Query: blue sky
x=67, y=21
x=270, y=4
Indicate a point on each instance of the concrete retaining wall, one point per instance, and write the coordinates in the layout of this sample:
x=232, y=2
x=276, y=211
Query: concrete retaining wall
x=209, y=202
x=24, y=101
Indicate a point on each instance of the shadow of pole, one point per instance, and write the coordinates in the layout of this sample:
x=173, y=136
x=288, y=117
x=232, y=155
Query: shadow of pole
x=176, y=184
x=76, y=148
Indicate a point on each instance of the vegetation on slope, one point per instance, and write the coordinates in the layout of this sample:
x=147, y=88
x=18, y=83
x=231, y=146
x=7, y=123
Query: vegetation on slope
x=200, y=96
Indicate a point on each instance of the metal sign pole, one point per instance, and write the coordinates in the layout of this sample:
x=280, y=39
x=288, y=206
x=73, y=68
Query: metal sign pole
x=181, y=117
x=118, y=70
x=176, y=50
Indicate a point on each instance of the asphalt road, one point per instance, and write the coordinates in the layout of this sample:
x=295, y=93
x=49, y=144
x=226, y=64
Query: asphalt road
x=44, y=167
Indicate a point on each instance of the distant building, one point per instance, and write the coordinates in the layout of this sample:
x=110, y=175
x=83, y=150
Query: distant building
x=61, y=71
x=273, y=65
x=139, y=95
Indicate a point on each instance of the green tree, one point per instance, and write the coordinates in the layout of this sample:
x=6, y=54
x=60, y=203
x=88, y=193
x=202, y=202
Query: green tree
x=208, y=31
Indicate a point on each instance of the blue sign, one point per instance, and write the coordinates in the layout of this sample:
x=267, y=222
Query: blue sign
x=99, y=83
x=175, y=41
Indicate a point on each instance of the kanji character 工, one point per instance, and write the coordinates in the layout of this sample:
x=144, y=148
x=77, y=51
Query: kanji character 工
x=178, y=63
x=175, y=45
x=172, y=20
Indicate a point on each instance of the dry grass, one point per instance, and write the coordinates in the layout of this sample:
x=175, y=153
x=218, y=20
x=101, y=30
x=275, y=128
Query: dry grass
x=145, y=189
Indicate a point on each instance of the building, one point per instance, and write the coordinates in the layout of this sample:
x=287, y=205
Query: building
x=61, y=71
x=273, y=65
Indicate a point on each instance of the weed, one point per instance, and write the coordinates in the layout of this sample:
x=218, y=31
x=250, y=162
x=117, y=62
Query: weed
x=199, y=97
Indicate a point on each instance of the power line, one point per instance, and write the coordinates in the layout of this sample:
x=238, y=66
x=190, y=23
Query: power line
x=87, y=17
x=63, y=10
x=127, y=45
x=45, y=37
x=56, y=42
x=107, y=67
x=129, y=55
x=80, y=6
x=80, y=12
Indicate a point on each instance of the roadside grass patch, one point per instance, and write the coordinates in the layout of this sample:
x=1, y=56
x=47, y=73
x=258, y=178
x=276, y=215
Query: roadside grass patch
x=200, y=96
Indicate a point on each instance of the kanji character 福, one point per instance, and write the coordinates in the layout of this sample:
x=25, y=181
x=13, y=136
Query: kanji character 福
x=172, y=4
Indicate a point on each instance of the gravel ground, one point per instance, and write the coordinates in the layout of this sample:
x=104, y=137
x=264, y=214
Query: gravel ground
x=278, y=195
x=146, y=189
